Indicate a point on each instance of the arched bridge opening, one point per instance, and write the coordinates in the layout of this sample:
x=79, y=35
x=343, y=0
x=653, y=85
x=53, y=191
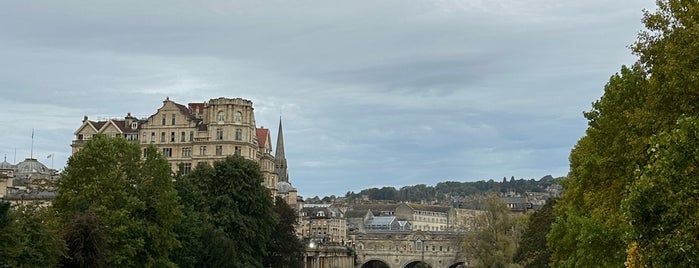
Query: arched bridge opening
x=375, y=264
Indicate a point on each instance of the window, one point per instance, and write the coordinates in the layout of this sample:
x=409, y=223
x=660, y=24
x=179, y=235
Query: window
x=185, y=168
x=167, y=152
x=191, y=136
x=162, y=136
x=202, y=150
x=173, y=119
x=219, y=150
x=172, y=136
x=186, y=152
x=145, y=153
x=221, y=116
x=152, y=137
x=182, y=136
x=237, y=150
x=219, y=134
x=238, y=117
x=134, y=125
x=164, y=120
x=239, y=134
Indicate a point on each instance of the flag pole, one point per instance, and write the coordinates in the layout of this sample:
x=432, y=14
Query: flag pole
x=31, y=152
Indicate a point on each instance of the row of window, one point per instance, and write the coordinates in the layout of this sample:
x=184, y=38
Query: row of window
x=187, y=151
x=183, y=136
x=237, y=117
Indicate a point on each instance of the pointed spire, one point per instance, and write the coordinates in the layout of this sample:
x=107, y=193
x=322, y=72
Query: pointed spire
x=279, y=157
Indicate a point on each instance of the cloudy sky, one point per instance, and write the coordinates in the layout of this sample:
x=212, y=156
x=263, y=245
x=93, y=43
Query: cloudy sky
x=372, y=93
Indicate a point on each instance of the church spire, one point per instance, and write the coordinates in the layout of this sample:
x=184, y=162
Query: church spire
x=279, y=157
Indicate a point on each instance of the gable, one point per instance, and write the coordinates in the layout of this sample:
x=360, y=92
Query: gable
x=86, y=128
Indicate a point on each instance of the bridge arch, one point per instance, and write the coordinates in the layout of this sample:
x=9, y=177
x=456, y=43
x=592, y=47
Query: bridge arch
x=375, y=263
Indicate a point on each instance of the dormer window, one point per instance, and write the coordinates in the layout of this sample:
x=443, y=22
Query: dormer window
x=134, y=125
x=320, y=214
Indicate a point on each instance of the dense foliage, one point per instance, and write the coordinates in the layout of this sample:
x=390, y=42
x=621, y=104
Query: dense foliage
x=630, y=196
x=285, y=247
x=133, y=201
x=29, y=237
x=532, y=251
x=232, y=215
x=494, y=241
x=445, y=190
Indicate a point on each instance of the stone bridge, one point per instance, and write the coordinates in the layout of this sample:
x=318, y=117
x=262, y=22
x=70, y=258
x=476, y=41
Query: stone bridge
x=408, y=249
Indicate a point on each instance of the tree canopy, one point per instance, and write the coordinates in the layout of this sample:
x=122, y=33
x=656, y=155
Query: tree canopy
x=132, y=199
x=637, y=134
x=233, y=214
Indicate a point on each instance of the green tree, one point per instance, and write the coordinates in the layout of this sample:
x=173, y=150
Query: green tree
x=494, y=242
x=33, y=237
x=532, y=251
x=134, y=199
x=9, y=236
x=234, y=216
x=662, y=204
x=86, y=241
x=285, y=247
x=646, y=99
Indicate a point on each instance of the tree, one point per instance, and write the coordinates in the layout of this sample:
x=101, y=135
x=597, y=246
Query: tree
x=86, y=241
x=494, y=241
x=232, y=214
x=608, y=164
x=133, y=199
x=33, y=237
x=532, y=251
x=662, y=205
x=285, y=247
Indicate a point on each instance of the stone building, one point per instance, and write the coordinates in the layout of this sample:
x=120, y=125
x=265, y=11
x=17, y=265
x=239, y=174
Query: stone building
x=323, y=223
x=28, y=181
x=198, y=133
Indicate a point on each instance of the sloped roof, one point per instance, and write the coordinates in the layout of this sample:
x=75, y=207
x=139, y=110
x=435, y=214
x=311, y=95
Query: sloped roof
x=358, y=211
x=262, y=134
x=381, y=221
x=428, y=207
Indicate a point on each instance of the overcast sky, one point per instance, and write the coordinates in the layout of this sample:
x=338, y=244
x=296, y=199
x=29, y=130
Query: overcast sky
x=372, y=93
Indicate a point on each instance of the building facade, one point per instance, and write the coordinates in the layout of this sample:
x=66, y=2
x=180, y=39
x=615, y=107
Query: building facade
x=196, y=133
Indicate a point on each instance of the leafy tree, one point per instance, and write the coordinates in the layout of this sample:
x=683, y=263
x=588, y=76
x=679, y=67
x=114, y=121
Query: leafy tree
x=86, y=241
x=9, y=236
x=285, y=247
x=494, y=241
x=592, y=226
x=532, y=251
x=133, y=199
x=230, y=215
x=662, y=204
x=30, y=237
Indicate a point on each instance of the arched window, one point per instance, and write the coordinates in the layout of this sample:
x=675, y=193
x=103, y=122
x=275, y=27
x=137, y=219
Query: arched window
x=238, y=117
x=221, y=116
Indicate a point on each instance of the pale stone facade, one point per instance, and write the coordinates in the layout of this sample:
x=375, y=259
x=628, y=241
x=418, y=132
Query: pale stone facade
x=426, y=218
x=323, y=223
x=193, y=134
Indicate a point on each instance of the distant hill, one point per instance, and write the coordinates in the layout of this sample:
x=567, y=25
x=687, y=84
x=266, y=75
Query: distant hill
x=449, y=190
